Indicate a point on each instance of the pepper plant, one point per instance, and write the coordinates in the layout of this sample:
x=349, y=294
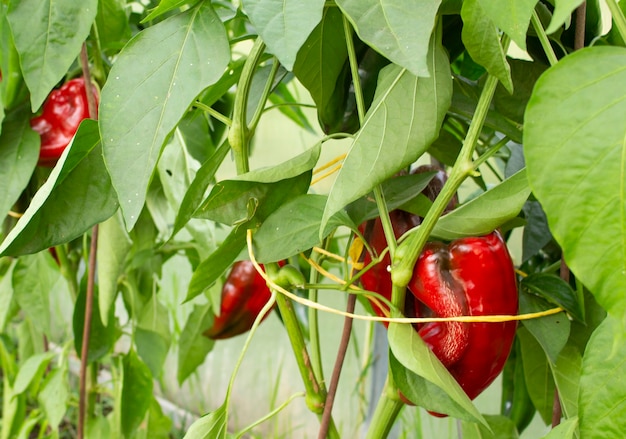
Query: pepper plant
x=522, y=103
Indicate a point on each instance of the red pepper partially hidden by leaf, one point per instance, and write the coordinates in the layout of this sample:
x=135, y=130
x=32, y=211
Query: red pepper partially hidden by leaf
x=62, y=113
x=472, y=276
x=244, y=294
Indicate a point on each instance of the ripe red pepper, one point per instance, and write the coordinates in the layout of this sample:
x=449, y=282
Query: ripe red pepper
x=472, y=276
x=244, y=294
x=62, y=112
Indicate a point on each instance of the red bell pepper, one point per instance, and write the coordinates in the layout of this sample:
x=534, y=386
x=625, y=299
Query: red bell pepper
x=244, y=295
x=62, y=113
x=472, y=276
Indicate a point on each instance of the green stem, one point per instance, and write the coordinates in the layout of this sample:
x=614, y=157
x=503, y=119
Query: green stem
x=314, y=334
x=269, y=415
x=409, y=250
x=618, y=18
x=543, y=38
x=254, y=121
x=315, y=390
x=214, y=113
x=385, y=414
x=354, y=70
x=490, y=152
x=238, y=133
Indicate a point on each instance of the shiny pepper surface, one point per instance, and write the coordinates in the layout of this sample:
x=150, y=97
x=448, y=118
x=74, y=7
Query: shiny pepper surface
x=475, y=277
x=62, y=113
x=244, y=295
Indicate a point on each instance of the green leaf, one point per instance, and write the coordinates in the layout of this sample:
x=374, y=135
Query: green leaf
x=54, y=396
x=601, y=403
x=321, y=58
x=562, y=13
x=7, y=303
x=566, y=373
x=500, y=427
x=30, y=369
x=193, y=347
x=113, y=247
x=539, y=380
x=400, y=30
x=210, y=269
x=19, y=151
x=48, y=35
x=411, y=351
x=77, y=195
x=524, y=75
x=565, y=430
x=284, y=25
x=112, y=24
x=101, y=338
x=34, y=278
x=294, y=227
x=511, y=16
x=555, y=290
x=163, y=7
x=198, y=186
x=577, y=112
x=404, y=119
x=482, y=41
x=210, y=426
x=486, y=212
x=293, y=167
x=136, y=392
x=158, y=425
x=153, y=81
x=551, y=332
x=152, y=347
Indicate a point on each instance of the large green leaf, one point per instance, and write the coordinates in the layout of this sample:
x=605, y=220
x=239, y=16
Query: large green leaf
x=511, y=16
x=77, y=195
x=48, y=35
x=601, y=403
x=575, y=144
x=404, y=119
x=486, y=212
x=399, y=29
x=19, y=150
x=411, y=351
x=482, y=41
x=284, y=25
x=153, y=81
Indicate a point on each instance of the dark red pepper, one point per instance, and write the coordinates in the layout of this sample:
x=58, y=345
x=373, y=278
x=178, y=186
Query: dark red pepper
x=62, y=113
x=475, y=277
x=244, y=294
x=472, y=276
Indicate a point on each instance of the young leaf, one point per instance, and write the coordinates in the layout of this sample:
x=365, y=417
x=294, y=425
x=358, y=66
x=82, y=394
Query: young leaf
x=193, y=347
x=539, y=380
x=482, y=40
x=511, y=16
x=601, y=404
x=284, y=25
x=136, y=392
x=30, y=369
x=77, y=195
x=210, y=426
x=400, y=36
x=153, y=81
x=486, y=212
x=575, y=128
x=404, y=119
x=48, y=35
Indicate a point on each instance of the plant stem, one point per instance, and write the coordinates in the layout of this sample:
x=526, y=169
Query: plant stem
x=385, y=414
x=91, y=99
x=315, y=390
x=334, y=380
x=314, y=333
x=214, y=113
x=238, y=132
x=618, y=18
x=543, y=39
x=581, y=17
x=82, y=401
